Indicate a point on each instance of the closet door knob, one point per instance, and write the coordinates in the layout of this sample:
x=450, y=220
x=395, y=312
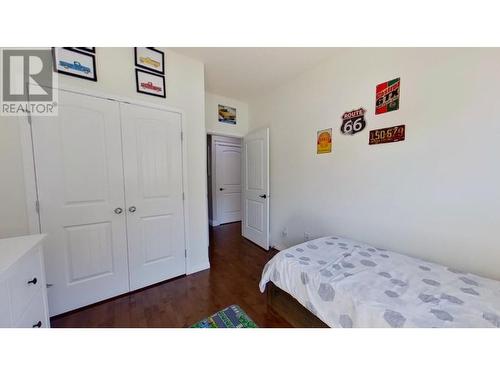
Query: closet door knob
x=263, y=196
x=38, y=325
x=118, y=210
x=132, y=209
x=34, y=281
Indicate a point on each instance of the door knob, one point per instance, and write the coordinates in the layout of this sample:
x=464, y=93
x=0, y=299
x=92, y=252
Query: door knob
x=263, y=196
x=132, y=209
x=38, y=325
x=34, y=281
x=221, y=189
x=118, y=210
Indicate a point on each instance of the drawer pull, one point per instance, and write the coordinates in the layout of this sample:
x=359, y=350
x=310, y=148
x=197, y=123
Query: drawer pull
x=38, y=325
x=34, y=281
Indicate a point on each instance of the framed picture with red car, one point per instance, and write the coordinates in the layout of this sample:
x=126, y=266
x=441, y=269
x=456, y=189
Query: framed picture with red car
x=150, y=83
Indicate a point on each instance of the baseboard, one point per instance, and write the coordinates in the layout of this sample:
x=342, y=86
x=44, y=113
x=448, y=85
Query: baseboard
x=213, y=223
x=278, y=247
x=198, y=268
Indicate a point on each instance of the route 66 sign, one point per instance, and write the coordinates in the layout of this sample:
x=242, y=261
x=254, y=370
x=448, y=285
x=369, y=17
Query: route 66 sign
x=353, y=122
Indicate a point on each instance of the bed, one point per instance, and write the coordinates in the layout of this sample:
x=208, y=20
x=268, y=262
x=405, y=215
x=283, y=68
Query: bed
x=339, y=282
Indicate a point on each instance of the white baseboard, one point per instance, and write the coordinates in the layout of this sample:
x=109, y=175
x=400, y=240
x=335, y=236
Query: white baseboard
x=213, y=223
x=197, y=268
x=279, y=247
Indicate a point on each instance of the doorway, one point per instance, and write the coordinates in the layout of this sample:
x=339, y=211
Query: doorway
x=224, y=179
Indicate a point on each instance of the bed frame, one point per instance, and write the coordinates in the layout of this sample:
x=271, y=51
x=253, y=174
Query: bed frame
x=290, y=309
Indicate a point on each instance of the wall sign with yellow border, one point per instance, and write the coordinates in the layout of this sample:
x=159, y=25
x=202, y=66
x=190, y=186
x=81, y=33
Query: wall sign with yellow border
x=324, y=141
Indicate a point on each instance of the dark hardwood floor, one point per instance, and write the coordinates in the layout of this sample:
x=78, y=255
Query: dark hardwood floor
x=236, y=266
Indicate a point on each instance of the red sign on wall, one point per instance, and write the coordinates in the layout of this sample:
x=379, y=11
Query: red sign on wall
x=387, y=135
x=387, y=96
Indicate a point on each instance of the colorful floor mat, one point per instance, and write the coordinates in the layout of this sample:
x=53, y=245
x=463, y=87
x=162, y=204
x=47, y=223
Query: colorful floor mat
x=231, y=317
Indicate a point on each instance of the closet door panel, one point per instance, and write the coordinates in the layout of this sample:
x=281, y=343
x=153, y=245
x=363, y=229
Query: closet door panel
x=152, y=154
x=78, y=159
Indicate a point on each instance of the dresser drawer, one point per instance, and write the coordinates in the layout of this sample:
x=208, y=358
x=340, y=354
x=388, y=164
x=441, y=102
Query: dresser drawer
x=35, y=316
x=25, y=281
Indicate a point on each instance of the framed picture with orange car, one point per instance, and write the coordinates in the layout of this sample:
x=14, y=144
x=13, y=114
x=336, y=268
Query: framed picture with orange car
x=150, y=59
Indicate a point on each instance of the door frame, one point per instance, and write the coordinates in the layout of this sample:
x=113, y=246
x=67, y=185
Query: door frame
x=218, y=140
x=30, y=180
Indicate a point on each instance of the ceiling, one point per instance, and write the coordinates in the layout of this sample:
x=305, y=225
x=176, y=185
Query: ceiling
x=241, y=73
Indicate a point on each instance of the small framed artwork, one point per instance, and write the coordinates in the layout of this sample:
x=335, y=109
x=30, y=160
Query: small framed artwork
x=227, y=115
x=324, y=141
x=150, y=59
x=74, y=63
x=387, y=96
x=150, y=83
x=387, y=135
x=87, y=49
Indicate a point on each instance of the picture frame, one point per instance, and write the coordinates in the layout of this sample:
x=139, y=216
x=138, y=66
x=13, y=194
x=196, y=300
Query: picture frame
x=86, y=49
x=324, y=141
x=74, y=63
x=227, y=114
x=149, y=58
x=150, y=83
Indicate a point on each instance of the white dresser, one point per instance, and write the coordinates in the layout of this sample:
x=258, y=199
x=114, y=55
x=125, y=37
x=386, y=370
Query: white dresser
x=23, y=293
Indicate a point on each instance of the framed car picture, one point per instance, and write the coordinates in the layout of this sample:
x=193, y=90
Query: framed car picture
x=150, y=59
x=74, y=63
x=227, y=115
x=87, y=49
x=150, y=83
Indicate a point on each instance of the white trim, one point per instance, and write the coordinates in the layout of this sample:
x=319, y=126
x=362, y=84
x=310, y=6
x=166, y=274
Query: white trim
x=230, y=141
x=30, y=188
x=226, y=140
x=123, y=99
x=224, y=134
x=198, y=268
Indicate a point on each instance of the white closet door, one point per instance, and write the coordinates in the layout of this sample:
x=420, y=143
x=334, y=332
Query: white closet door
x=78, y=158
x=152, y=155
x=228, y=178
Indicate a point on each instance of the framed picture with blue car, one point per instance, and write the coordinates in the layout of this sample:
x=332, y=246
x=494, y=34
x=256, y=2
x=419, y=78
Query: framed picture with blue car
x=74, y=63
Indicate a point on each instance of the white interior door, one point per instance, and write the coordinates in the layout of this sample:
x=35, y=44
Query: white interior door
x=228, y=181
x=255, y=223
x=152, y=155
x=78, y=158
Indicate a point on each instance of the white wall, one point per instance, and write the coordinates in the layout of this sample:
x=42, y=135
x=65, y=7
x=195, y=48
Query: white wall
x=185, y=89
x=435, y=195
x=13, y=216
x=212, y=123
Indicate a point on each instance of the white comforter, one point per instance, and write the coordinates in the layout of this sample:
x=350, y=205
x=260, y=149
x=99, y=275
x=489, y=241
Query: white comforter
x=350, y=284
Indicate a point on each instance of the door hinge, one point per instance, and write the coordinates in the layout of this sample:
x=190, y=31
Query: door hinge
x=183, y=196
x=182, y=136
x=185, y=253
x=37, y=206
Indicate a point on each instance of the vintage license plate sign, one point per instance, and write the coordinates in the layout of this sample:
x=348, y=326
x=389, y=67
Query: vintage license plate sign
x=387, y=96
x=324, y=141
x=353, y=122
x=387, y=135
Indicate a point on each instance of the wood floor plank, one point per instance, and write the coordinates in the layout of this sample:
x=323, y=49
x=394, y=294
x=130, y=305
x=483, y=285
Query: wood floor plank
x=236, y=267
